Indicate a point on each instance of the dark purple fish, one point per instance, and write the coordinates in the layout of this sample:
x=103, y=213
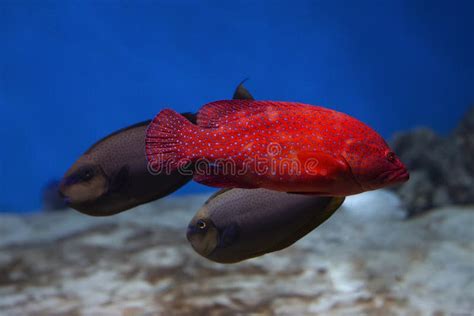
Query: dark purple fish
x=239, y=224
x=112, y=175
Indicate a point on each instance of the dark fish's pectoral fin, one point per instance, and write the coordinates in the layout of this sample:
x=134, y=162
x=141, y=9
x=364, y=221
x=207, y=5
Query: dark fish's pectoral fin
x=229, y=235
x=241, y=93
x=120, y=181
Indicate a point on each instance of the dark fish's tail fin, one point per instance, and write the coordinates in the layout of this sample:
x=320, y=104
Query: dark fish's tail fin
x=166, y=144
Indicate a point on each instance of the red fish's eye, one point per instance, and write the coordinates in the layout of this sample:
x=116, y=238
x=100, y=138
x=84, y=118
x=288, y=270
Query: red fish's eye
x=391, y=157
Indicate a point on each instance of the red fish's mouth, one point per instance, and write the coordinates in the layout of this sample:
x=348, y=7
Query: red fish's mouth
x=389, y=178
x=399, y=176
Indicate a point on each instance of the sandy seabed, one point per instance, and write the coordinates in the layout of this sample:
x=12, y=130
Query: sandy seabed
x=365, y=260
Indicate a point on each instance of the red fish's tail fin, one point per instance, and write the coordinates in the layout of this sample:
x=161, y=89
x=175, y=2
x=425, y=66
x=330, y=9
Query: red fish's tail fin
x=166, y=142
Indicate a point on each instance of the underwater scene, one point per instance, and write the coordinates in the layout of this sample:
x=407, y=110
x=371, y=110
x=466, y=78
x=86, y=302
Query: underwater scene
x=237, y=158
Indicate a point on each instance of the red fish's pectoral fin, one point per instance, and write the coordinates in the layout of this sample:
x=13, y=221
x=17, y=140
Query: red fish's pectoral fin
x=324, y=174
x=323, y=164
x=166, y=146
x=221, y=182
x=214, y=114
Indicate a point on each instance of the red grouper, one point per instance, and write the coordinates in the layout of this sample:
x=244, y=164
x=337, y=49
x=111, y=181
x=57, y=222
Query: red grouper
x=282, y=146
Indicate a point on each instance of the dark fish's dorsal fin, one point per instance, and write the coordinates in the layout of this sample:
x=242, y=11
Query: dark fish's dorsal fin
x=216, y=194
x=192, y=117
x=211, y=114
x=143, y=123
x=241, y=93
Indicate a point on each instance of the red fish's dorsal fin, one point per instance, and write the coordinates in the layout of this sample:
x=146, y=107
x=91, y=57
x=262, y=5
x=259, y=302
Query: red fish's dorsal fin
x=214, y=114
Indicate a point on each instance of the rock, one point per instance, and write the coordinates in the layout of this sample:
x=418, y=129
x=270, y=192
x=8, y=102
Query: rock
x=464, y=135
x=418, y=193
x=441, y=168
x=365, y=260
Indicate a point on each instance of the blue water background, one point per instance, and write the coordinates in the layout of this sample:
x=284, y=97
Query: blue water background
x=73, y=71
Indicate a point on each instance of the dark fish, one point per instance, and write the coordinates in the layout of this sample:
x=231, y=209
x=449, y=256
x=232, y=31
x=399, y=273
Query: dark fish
x=112, y=176
x=239, y=224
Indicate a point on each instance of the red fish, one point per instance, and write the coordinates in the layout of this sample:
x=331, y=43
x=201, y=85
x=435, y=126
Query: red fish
x=283, y=146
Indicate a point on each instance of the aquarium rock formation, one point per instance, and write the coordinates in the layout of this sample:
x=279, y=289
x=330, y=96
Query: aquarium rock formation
x=365, y=260
x=441, y=168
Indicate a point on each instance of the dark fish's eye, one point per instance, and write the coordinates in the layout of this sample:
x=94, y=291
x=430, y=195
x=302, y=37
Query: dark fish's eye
x=201, y=224
x=391, y=156
x=85, y=174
